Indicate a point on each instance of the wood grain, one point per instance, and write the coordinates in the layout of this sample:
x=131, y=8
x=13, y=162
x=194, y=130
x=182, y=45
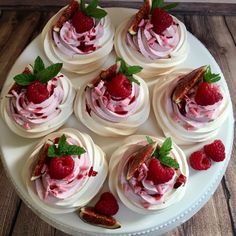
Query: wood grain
x=218, y=216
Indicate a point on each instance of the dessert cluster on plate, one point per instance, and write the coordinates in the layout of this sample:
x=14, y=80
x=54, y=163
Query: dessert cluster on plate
x=147, y=174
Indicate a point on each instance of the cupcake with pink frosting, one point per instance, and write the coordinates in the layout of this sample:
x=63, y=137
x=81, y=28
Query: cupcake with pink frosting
x=65, y=171
x=148, y=174
x=116, y=103
x=80, y=36
x=190, y=106
x=153, y=39
x=39, y=101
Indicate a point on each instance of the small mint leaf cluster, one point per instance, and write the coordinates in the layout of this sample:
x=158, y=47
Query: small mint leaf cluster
x=160, y=4
x=210, y=77
x=128, y=71
x=39, y=73
x=92, y=10
x=63, y=148
x=162, y=153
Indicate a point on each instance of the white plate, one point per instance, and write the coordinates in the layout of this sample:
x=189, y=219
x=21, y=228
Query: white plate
x=15, y=150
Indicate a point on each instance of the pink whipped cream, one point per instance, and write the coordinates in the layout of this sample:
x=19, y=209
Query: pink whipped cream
x=192, y=116
x=70, y=43
x=142, y=191
x=152, y=45
x=51, y=190
x=99, y=101
x=27, y=114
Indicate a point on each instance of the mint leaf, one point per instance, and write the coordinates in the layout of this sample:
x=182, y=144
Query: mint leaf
x=134, y=69
x=168, y=161
x=122, y=68
x=52, y=151
x=97, y=13
x=73, y=150
x=61, y=143
x=170, y=6
x=82, y=5
x=92, y=5
x=157, y=3
x=132, y=79
x=24, y=79
x=149, y=140
x=50, y=72
x=165, y=147
x=210, y=77
x=38, y=65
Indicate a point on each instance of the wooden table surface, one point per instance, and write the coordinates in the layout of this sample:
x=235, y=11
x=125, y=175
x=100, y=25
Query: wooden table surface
x=217, y=31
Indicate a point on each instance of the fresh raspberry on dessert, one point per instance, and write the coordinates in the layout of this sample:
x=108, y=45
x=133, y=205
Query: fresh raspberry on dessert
x=37, y=92
x=60, y=167
x=199, y=161
x=215, y=150
x=119, y=86
x=159, y=173
x=81, y=22
x=181, y=180
x=107, y=204
x=207, y=94
x=161, y=20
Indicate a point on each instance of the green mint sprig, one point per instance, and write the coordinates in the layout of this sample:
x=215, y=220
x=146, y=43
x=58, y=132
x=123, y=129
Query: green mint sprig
x=128, y=71
x=210, y=77
x=92, y=10
x=160, y=4
x=39, y=73
x=64, y=148
x=162, y=154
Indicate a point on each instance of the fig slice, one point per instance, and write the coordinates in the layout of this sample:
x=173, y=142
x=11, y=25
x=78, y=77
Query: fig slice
x=42, y=156
x=89, y=215
x=187, y=82
x=141, y=14
x=138, y=158
x=66, y=15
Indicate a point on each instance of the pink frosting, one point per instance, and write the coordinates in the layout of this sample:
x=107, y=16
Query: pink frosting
x=51, y=190
x=99, y=101
x=192, y=116
x=28, y=114
x=70, y=42
x=140, y=190
x=152, y=45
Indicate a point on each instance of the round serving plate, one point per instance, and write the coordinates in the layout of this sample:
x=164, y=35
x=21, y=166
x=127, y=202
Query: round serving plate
x=15, y=150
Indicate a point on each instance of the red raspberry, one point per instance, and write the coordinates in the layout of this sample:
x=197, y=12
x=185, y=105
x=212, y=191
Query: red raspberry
x=199, y=161
x=207, y=94
x=81, y=22
x=107, y=204
x=37, y=92
x=119, y=86
x=60, y=167
x=215, y=150
x=181, y=180
x=159, y=173
x=161, y=20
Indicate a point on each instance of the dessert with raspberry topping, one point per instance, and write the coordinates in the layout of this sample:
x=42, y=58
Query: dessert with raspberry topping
x=80, y=35
x=39, y=101
x=148, y=174
x=152, y=38
x=57, y=172
x=191, y=105
x=115, y=103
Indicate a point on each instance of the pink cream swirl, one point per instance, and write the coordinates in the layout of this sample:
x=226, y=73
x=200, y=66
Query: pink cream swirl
x=152, y=45
x=145, y=192
x=69, y=42
x=193, y=116
x=27, y=114
x=99, y=101
x=49, y=189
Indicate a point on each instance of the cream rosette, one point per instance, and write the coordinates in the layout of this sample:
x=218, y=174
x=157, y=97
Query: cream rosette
x=58, y=47
x=31, y=120
x=76, y=190
x=110, y=117
x=200, y=123
x=138, y=193
x=170, y=50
